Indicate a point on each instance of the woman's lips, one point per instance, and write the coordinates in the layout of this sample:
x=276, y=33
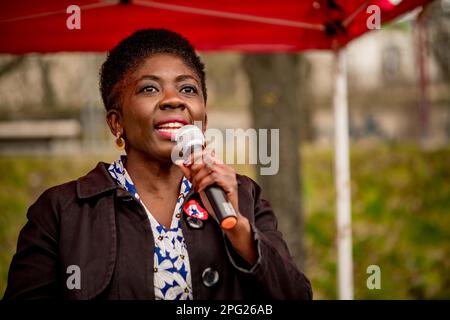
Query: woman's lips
x=168, y=128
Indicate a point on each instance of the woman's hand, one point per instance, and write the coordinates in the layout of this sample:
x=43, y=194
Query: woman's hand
x=203, y=170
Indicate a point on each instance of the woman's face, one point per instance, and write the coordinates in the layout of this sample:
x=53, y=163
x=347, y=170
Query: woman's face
x=161, y=96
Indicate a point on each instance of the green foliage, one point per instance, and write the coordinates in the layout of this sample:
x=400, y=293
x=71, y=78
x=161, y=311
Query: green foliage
x=401, y=221
x=24, y=180
x=400, y=211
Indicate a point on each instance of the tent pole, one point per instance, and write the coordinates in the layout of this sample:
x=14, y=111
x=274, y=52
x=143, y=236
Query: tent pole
x=342, y=178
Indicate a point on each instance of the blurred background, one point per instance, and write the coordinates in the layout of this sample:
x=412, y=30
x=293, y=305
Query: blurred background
x=53, y=129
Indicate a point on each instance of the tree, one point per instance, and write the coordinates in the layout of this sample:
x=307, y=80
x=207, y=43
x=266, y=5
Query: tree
x=438, y=21
x=12, y=64
x=49, y=100
x=276, y=89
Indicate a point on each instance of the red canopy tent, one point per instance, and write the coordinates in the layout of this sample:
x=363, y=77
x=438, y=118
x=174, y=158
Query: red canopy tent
x=249, y=26
x=233, y=25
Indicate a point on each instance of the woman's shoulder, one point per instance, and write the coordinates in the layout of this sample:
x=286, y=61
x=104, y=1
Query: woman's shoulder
x=45, y=212
x=61, y=195
x=54, y=195
x=246, y=182
x=248, y=186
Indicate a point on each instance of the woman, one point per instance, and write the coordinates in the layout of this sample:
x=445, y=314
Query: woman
x=123, y=232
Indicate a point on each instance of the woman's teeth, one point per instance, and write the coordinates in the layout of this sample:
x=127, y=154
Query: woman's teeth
x=170, y=127
x=168, y=130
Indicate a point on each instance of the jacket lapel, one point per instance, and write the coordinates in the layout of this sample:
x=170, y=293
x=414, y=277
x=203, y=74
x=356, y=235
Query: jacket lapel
x=95, y=231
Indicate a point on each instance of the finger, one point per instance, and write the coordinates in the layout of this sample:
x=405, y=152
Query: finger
x=226, y=177
x=215, y=160
x=200, y=161
x=206, y=158
x=195, y=168
x=200, y=175
x=209, y=146
x=206, y=181
x=184, y=169
x=197, y=156
x=209, y=158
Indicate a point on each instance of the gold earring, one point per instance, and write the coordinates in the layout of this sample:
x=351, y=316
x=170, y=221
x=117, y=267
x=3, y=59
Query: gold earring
x=120, y=142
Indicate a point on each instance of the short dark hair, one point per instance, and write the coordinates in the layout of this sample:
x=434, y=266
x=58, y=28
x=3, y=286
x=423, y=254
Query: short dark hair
x=131, y=52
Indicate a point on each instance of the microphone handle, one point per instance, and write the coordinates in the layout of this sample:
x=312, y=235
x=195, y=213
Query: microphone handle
x=223, y=209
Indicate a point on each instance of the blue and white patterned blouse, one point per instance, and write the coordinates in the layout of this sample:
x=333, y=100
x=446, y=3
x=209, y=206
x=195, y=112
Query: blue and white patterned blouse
x=172, y=274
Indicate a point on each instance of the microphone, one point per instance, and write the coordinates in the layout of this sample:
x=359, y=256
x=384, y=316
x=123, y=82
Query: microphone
x=189, y=139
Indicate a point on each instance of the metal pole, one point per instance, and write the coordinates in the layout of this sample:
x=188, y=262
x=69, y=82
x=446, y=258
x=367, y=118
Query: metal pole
x=342, y=176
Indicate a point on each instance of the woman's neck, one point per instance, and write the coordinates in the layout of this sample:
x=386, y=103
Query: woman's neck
x=153, y=176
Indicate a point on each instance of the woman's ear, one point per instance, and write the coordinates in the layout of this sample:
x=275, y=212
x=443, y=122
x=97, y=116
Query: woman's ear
x=114, y=120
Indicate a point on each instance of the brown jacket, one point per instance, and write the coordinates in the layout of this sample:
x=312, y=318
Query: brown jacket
x=96, y=225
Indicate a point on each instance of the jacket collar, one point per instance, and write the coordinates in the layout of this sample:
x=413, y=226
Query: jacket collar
x=99, y=181
x=96, y=182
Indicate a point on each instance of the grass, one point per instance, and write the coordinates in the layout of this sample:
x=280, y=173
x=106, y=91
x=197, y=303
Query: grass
x=401, y=221
x=400, y=212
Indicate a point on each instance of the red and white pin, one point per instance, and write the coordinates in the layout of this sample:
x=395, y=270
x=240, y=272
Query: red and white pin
x=193, y=209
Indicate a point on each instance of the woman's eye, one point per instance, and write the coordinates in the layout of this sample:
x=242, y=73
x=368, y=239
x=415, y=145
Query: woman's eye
x=189, y=89
x=149, y=89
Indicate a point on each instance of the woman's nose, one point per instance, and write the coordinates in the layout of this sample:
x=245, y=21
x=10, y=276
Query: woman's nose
x=171, y=100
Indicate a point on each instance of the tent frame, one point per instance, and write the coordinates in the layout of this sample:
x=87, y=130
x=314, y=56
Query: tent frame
x=342, y=177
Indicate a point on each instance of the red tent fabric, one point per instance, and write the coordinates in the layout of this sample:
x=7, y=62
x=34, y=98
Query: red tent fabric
x=234, y=25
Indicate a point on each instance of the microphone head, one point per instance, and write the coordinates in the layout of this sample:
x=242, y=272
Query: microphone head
x=189, y=137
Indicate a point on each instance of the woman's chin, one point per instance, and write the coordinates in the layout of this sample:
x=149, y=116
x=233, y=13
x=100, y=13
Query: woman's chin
x=164, y=153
